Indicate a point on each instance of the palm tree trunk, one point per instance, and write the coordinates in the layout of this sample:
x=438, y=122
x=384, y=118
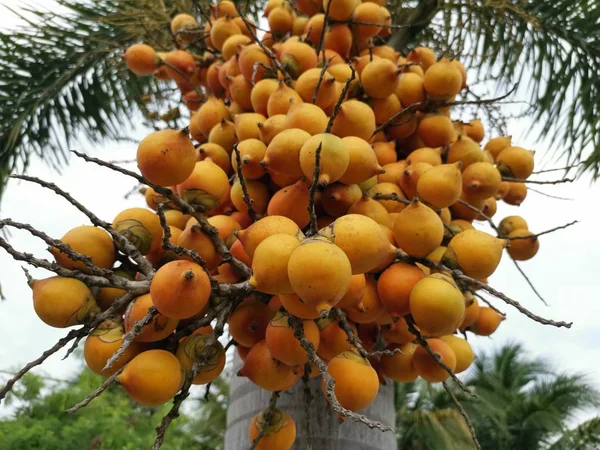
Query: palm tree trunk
x=246, y=400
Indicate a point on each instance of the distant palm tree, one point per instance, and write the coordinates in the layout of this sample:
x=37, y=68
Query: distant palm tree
x=61, y=77
x=523, y=405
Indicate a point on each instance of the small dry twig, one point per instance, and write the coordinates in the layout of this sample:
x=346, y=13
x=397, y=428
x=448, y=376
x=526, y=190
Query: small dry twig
x=423, y=343
x=245, y=194
x=464, y=414
x=104, y=386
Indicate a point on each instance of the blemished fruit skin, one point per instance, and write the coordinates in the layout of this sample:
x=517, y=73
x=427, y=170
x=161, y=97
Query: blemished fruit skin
x=210, y=358
x=141, y=227
x=159, y=327
x=152, y=378
x=278, y=428
x=63, y=302
x=102, y=344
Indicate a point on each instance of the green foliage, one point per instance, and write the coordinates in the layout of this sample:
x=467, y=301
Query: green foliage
x=551, y=48
x=61, y=75
x=523, y=404
x=425, y=420
x=110, y=422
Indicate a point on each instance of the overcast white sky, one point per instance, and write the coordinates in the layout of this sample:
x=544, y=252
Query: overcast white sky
x=565, y=269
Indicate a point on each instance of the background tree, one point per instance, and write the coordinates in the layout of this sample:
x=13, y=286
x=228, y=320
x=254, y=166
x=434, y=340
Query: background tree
x=84, y=91
x=114, y=422
x=523, y=404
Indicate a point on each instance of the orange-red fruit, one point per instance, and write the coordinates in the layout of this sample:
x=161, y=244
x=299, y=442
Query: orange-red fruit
x=250, y=152
x=340, y=9
x=152, y=378
x=356, y=382
x=257, y=191
x=319, y=272
x=462, y=350
x=333, y=339
x=395, y=285
x=400, y=367
x=427, y=367
x=410, y=89
x=166, y=157
x=252, y=236
x=221, y=30
x=362, y=163
x=370, y=309
x=436, y=130
x=141, y=59
x=379, y=78
x=292, y=202
x=283, y=153
x=355, y=292
x=418, y=230
x=206, y=188
x=442, y=81
x=265, y=371
x=92, y=242
x=369, y=12
x=307, y=117
x=248, y=322
x=339, y=39
x=276, y=428
x=180, y=289
x=193, y=238
x=334, y=158
x=397, y=332
x=354, y=118
x=298, y=57
x=282, y=343
x=102, y=343
x=524, y=245
x=281, y=20
x=487, y=322
x=211, y=113
x=197, y=348
x=269, y=265
x=296, y=307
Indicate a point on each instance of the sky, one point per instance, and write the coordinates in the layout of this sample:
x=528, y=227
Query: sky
x=565, y=269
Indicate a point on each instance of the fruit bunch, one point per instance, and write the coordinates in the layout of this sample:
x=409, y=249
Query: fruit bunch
x=322, y=203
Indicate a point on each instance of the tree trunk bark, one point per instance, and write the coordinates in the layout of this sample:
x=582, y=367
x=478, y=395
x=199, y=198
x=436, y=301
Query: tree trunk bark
x=246, y=400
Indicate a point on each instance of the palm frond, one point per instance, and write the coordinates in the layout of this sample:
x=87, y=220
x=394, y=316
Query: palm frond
x=551, y=48
x=61, y=77
x=585, y=436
